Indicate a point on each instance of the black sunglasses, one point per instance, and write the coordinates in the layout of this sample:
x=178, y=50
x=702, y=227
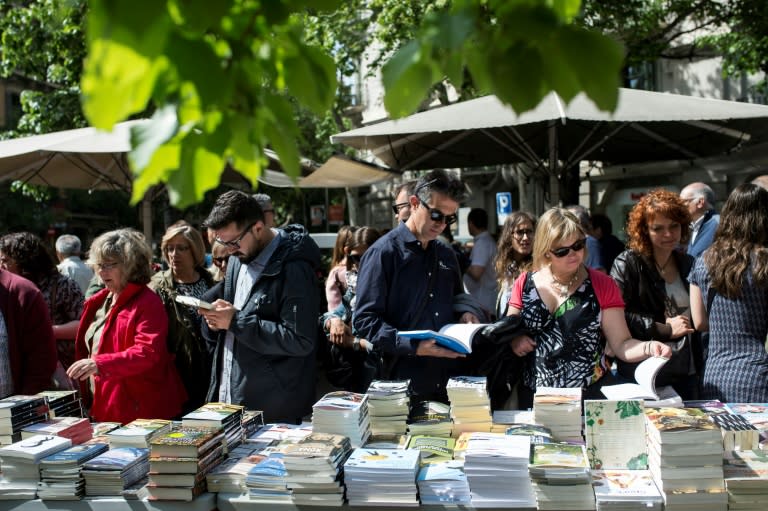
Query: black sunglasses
x=397, y=207
x=564, y=251
x=438, y=216
x=354, y=258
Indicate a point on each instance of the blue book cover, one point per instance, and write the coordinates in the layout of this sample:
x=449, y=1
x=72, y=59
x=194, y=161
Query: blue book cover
x=273, y=466
x=454, y=336
x=448, y=470
x=117, y=459
x=75, y=455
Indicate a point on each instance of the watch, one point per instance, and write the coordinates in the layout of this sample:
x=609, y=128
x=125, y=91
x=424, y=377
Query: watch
x=356, y=344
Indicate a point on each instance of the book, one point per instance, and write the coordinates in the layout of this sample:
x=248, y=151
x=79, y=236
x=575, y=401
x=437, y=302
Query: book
x=433, y=449
x=193, y=302
x=738, y=433
x=213, y=415
x=455, y=336
x=621, y=485
x=680, y=425
x=34, y=448
x=73, y=456
x=185, y=441
x=184, y=465
x=611, y=430
x=137, y=433
x=119, y=459
x=174, y=492
x=645, y=388
x=12, y=406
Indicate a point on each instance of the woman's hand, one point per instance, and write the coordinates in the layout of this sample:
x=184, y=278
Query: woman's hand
x=657, y=349
x=522, y=345
x=83, y=369
x=681, y=325
x=468, y=317
x=338, y=331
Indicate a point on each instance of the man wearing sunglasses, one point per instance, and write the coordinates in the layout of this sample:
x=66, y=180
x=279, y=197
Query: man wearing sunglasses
x=408, y=281
x=263, y=324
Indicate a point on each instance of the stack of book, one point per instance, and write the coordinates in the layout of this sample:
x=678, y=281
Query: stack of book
x=314, y=469
x=253, y=420
x=560, y=474
x=470, y=404
x=229, y=475
x=192, y=445
x=272, y=433
x=388, y=406
x=20, y=463
x=227, y=417
x=100, y=430
x=63, y=403
x=685, y=456
x=746, y=479
x=612, y=430
x=385, y=477
x=559, y=409
x=502, y=419
x=137, y=433
x=266, y=481
x=626, y=490
x=343, y=413
x=444, y=482
x=431, y=418
x=109, y=473
x=756, y=414
x=433, y=449
x=19, y=411
x=77, y=429
x=61, y=475
x=738, y=433
x=537, y=433
x=497, y=470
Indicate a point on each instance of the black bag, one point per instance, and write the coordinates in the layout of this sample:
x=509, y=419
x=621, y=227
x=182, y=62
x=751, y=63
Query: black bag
x=353, y=370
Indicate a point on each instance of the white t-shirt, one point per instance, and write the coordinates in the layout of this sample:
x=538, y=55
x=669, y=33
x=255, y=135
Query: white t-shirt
x=483, y=254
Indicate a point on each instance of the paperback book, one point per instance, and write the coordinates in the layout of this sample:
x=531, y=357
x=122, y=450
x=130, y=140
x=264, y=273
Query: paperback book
x=455, y=336
x=137, y=433
x=185, y=441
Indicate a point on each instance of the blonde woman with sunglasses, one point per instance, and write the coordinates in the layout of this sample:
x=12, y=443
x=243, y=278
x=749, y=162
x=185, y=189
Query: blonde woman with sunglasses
x=574, y=315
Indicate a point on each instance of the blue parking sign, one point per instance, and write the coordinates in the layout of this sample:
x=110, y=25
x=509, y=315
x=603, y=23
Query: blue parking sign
x=503, y=206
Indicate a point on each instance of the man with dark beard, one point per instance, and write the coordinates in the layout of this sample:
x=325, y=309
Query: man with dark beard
x=263, y=323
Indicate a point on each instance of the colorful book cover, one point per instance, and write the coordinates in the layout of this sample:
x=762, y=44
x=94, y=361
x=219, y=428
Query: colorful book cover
x=75, y=455
x=430, y=412
x=140, y=428
x=341, y=400
x=272, y=467
x=559, y=455
x=433, y=448
x=624, y=485
x=220, y=413
x=382, y=460
x=119, y=459
x=681, y=425
x=185, y=441
x=448, y=470
x=610, y=430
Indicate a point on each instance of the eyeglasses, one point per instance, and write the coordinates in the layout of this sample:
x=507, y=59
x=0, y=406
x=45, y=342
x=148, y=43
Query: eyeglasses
x=235, y=243
x=106, y=266
x=354, y=258
x=564, y=251
x=438, y=216
x=397, y=207
x=521, y=233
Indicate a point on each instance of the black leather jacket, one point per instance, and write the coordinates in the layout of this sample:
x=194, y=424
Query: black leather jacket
x=643, y=290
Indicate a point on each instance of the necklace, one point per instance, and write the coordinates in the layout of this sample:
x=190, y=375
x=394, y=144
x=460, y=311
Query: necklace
x=562, y=287
x=662, y=268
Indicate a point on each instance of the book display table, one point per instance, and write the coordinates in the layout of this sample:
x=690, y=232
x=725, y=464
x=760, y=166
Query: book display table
x=205, y=502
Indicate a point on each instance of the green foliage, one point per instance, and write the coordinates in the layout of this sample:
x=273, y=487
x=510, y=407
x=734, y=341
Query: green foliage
x=220, y=81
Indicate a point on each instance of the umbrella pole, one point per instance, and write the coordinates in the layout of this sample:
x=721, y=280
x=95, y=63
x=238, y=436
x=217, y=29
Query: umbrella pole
x=554, y=171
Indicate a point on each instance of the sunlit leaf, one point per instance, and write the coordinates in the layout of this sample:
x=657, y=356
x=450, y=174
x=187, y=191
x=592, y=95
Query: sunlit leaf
x=407, y=77
x=164, y=161
x=147, y=137
x=311, y=77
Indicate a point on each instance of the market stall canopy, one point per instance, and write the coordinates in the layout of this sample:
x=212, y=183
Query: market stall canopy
x=645, y=126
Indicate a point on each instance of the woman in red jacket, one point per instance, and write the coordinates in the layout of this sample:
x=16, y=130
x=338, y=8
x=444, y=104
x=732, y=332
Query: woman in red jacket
x=121, y=347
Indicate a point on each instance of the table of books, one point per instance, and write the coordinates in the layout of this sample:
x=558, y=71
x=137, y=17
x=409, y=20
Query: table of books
x=204, y=502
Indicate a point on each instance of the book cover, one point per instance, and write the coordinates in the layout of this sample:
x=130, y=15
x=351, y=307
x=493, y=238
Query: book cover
x=680, y=425
x=138, y=432
x=377, y=460
x=433, y=449
x=455, y=336
x=388, y=388
x=709, y=406
x=430, y=412
x=60, y=426
x=34, y=448
x=558, y=455
x=645, y=376
x=75, y=455
x=342, y=401
x=538, y=434
x=185, y=441
x=624, y=485
x=174, y=493
x=118, y=459
x=610, y=430
x=185, y=465
x=212, y=414
x=449, y=470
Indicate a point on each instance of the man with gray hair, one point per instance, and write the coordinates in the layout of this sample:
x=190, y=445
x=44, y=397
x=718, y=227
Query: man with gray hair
x=265, y=201
x=70, y=264
x=700, y=200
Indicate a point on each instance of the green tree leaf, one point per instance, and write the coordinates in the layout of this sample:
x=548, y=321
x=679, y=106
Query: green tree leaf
x=407, y=77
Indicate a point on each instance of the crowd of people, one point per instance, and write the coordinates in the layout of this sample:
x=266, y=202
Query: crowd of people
x=565, y=302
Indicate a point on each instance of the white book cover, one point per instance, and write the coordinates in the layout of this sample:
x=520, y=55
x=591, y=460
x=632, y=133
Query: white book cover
x=610, y=430
x=35, y=448
x=377, y=460
x=645, y=376
x=613, y=485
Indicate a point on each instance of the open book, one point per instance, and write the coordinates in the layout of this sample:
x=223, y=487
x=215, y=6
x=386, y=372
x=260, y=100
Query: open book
x=645, y=388
x=454, y=336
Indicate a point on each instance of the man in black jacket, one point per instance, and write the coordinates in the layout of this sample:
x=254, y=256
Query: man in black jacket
x=263, y=324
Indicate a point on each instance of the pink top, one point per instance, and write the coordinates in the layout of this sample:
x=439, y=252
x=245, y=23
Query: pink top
x=607, y=292
x=333, y=293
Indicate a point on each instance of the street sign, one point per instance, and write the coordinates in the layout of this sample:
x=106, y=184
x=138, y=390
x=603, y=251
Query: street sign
x=503, y=206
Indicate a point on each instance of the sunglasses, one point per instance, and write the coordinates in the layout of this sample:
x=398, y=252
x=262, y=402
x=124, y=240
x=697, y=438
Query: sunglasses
x=354, y=258
x=397, y=207
x=519, y=234
x=564, y=251
x=438, y=216
x=235, y=243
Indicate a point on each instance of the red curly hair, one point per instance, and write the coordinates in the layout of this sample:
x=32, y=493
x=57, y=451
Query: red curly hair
x=656, y=202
